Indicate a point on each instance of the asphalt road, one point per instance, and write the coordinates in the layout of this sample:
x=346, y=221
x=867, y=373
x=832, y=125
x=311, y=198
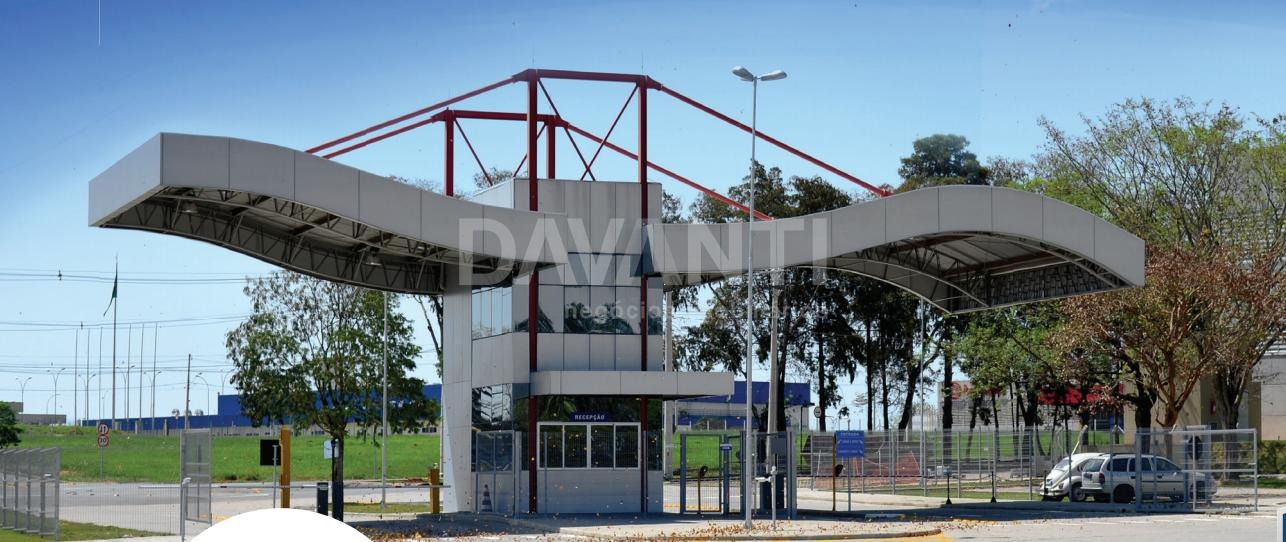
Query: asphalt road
x=155, y=508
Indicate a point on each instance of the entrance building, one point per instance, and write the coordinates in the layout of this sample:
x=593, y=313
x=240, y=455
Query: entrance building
x=567, y=419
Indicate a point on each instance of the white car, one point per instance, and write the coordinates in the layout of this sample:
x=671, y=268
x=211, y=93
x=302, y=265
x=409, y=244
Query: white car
x=1063, y=482
x=1112, y=477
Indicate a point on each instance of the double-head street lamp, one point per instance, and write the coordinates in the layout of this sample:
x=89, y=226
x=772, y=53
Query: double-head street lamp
x=22, y=390
x=747, y=474
x=54, y=398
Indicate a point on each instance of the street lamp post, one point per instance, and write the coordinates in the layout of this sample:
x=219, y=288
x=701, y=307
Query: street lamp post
x=89, y=377
x=207, y=392
x=56, y=375
x=128, y=370
x=22, y=390
x=747, y=474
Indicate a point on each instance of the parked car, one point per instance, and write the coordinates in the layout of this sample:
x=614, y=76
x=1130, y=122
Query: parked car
x=1111, y=477
x=1063, y=482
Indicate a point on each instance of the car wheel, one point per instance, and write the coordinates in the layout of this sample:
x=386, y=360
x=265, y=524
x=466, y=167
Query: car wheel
x=1075, y=494
x=1099, y=497
x=1123, y=494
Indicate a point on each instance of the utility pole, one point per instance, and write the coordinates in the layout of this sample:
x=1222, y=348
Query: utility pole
x=141, y=334
x=75, y=374
x=154, y=373
x=667, y=407
x=187, y=395
x=774, y=382
x=87, y=377
x=100, y=374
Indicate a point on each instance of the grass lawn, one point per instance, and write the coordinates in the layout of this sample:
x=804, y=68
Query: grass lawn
x=389, y=508
x=141, y=458
x=70, y=530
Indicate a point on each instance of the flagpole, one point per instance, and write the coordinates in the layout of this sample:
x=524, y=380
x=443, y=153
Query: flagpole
x=115, y=280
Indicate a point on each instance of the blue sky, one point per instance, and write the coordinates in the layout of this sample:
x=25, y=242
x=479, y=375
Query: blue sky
x=866, y=79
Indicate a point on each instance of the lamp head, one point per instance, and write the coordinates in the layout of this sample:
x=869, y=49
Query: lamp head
x=773, y=75
x=743, y=73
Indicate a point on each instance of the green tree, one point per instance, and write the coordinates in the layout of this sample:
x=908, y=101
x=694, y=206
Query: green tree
x=1206, y=189
x=941, y=159
x=312, y=353
x=9, y=429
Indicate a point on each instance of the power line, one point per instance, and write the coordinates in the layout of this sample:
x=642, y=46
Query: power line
x=38, y=326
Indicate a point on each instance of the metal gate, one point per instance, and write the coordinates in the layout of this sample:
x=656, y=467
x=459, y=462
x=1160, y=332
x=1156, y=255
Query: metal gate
x=495, y=478
x=777, y=460
x=196, y=453
x=706, y=471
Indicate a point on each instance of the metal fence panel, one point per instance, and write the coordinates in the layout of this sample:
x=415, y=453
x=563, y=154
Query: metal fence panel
x=196, y=452
x=1196, y=469
x=29, y=488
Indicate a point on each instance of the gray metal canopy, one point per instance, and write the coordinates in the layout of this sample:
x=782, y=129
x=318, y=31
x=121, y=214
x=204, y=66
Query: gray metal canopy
x=962, y=248
x=308, y=214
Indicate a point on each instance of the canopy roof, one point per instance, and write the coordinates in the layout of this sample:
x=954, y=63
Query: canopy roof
x=961, y=248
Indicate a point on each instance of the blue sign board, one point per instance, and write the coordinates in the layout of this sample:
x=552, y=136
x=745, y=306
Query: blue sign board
x=726, y=447
x=850, y=444
x=591, y=417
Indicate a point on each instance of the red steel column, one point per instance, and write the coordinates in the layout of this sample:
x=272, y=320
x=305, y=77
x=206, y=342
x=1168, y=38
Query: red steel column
x=551, y=131
x=642, y=165
x=448, y=180
x=533, y=323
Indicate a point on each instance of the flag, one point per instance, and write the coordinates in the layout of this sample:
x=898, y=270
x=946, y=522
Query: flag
x=115, y=278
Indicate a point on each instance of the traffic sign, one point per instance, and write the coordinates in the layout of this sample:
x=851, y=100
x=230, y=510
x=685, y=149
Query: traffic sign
x=103, y=441
x=103, y=428
x=818, y=412
x=850, y=444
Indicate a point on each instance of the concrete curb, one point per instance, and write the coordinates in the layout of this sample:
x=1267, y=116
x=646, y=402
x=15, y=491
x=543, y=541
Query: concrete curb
x=592, y=534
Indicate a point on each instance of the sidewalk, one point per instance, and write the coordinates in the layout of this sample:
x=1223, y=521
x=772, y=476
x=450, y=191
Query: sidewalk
x=676, y=528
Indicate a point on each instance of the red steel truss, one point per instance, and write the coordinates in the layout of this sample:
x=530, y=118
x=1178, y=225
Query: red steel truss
x=548, y=125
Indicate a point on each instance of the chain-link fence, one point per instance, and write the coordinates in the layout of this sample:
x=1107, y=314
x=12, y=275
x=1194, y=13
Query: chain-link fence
x=1197, y=469
x=29, y=488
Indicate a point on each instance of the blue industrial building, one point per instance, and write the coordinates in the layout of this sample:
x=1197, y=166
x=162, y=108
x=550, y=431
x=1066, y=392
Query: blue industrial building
x=228, y=416
x=729, y=411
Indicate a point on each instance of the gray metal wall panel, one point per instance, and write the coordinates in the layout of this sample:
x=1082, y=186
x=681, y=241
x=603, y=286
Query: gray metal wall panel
x=392, y=204
x=1069, y=227
x=912, y=214
x=195, y=161
x=327, y=185
x=858, y=227
x=266, y=170
x=1116, y=249
x=1017, y=213
x=129, y=181
x=963, y=208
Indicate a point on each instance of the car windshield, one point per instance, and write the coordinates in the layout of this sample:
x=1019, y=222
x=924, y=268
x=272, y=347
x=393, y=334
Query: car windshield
x=1061, y=465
